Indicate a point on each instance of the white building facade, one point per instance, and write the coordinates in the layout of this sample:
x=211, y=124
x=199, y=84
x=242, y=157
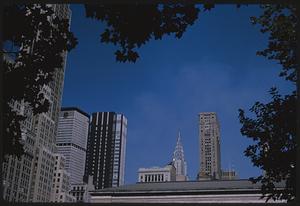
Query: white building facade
x=157, y=174
x=61, y=182
x=71, y=140
x=229, y=175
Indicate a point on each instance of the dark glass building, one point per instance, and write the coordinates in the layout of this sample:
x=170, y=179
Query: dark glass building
x=106, y=149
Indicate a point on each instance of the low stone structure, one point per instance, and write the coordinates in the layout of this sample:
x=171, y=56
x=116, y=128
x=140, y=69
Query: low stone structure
x=218, y=191
x=157, y=174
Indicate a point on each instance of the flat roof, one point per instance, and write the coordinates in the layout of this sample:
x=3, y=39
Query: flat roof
x=206, y=186
x=76, y=109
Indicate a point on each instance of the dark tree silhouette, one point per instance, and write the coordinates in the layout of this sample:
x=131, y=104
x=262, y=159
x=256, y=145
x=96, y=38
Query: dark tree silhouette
x=280, y=22
x=274, y=128
x=40, y=44
x=129, y=26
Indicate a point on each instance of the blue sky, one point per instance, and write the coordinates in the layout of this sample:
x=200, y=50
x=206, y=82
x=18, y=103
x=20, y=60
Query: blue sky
x=213, y=67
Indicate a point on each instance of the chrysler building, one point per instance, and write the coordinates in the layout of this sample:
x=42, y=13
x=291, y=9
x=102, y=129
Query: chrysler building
x=179, y=162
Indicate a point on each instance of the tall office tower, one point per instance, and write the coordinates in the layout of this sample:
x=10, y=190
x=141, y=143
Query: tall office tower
x=209, y=137
x=46, y=129
x=30, y=177
x=71, y=140
x=179, y=162
x=106, y=149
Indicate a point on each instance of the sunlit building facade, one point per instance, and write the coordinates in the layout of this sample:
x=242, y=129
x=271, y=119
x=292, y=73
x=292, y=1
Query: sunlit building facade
x=71, y=141
x=209, y=138
x=157, y=174
x=61, y=181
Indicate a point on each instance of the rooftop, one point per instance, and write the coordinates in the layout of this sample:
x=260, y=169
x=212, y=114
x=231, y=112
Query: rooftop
x=187, y=186
x=75, y=109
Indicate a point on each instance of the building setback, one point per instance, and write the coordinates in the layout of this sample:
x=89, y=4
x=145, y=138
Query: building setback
x=106, y=149
x=61, y=181
x=209, y=138
x=71, y=141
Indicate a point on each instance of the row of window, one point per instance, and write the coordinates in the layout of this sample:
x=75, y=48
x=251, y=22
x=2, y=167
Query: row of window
x=153, y=178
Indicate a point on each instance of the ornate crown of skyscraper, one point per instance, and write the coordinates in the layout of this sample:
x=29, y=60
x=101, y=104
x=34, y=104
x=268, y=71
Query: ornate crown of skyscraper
x=178, y=153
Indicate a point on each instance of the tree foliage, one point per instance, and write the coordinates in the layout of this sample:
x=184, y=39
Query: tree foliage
x=274, y=151
x=280, y=22
x=40, y=39
x=129, y=26
x=273, y=129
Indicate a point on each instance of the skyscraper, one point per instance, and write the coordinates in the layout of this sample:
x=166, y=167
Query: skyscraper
x=71, y=141
x=30, y=177
x=179, y=162
x=209, y=138
x=106, y=149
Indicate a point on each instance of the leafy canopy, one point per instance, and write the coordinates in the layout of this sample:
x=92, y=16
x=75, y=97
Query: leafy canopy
x=41, y=38
x=273, y=129
x=129, y=26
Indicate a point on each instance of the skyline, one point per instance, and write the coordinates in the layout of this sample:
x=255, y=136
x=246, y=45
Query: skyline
x=175, y=102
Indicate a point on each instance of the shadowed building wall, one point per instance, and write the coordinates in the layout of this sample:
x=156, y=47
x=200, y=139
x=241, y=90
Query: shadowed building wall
x=106, y=149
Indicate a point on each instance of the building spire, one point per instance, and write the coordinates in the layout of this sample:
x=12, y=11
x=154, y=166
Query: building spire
x=178, y=160
x=179, y=139
x=178, y=153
